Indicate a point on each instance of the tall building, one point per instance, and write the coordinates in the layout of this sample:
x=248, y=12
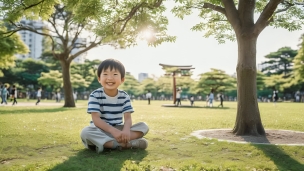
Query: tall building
x=32, y=40
x=81, y=57
x=142, y=76
x=35, y=45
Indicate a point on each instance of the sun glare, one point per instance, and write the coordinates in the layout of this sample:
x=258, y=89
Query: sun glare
x=148, y=35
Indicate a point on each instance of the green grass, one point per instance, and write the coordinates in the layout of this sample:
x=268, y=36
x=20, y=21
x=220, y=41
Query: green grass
x=47, y=138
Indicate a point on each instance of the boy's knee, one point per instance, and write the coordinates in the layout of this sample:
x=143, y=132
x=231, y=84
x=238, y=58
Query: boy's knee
x=144, y=127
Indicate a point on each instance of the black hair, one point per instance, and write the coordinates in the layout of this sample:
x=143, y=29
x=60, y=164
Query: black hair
x=112, y=64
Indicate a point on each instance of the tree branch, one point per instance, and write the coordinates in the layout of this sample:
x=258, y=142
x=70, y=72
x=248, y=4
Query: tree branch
x=134, y=10
x=232, y=14
x=266, y=15
x=92, y=45
x=215, y=8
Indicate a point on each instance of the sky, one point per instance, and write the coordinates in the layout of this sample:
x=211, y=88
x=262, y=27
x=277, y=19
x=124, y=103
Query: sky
x=191, y=48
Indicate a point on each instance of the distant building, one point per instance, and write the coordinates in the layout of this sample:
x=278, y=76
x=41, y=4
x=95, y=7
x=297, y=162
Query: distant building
x=81, y=58
x=142, y=76
x=35, y=45
x=32, y=40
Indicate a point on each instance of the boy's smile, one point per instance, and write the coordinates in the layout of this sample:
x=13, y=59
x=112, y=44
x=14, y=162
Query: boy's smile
x=110, y=80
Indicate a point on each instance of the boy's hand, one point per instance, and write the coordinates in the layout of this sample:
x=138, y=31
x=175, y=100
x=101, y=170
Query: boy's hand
x=125, y=136
x=117, y=134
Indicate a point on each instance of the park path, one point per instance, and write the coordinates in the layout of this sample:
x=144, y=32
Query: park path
x=32, y=104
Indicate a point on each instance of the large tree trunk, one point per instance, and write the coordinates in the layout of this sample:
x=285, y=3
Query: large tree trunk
x=248, y=120
x=67, y=86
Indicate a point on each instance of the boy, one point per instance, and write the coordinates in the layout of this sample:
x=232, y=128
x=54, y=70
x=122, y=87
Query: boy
x=107, y=106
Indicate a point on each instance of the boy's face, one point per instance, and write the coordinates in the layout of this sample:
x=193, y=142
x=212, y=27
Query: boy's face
x=110, y=80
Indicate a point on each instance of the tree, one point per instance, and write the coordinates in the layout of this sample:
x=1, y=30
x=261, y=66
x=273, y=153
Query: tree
x=52, y=78
x=234, y=20
x=130, y=85
x=299, y=64
x=217, y=80
x=116, y=23
x=279, y=62
x=9, y=47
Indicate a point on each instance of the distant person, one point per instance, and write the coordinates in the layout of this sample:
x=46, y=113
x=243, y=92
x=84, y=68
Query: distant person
x=178, y=97
x=148, y=96
x=207, y=100
x=191, y=100
x=297, y=96
x=4, y=93
x=14, y=95
x=275, y=96
x=75, y=96
x=38, y=96
x=211, y=97
x=58, y=96
x=110, y=109
x=221, y=99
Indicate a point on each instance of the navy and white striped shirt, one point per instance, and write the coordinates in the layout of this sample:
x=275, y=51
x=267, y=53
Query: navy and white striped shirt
x=110, y=109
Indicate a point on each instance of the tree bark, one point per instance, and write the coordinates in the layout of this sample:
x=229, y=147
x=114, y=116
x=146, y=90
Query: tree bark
x=67, y=85
x=248, y=120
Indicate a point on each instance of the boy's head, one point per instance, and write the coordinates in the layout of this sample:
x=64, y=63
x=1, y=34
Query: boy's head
x=111, y=64
x=111, y=74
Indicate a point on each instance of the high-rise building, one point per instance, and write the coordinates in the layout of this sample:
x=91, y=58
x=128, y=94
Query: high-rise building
x=35, y=45
x=32, y=40
x=142, y=76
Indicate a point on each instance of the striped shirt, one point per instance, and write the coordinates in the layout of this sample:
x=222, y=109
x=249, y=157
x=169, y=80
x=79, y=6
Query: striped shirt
x=110, y=109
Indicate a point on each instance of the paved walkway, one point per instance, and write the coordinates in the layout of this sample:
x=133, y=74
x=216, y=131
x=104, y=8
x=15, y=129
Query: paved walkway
x=9, y=104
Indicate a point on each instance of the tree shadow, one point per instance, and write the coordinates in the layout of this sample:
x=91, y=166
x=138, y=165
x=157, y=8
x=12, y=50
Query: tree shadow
x=87, y=160
x=189, y=106
x=44, y=110
x=281, y=159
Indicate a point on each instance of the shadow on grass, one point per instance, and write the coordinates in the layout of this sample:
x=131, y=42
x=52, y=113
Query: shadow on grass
x=188, y=106
x=88, y=160
x=281, y=159
x=43, y=110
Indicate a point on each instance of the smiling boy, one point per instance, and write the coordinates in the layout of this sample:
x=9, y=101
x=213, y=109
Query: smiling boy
x=108, y=107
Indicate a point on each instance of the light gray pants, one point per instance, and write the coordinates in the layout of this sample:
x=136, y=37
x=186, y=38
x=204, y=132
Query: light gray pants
x=92, y=135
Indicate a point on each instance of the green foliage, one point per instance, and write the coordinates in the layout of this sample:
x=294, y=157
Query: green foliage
x=298, y=61
x=52, y=78
x=279, y=62
x=260, y=80
x=148, y=84
x=9, y=47
x=130, y=85
x=289, y=15
x=217, y=80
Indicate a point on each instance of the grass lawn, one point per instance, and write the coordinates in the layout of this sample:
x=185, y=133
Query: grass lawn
x=47, y=138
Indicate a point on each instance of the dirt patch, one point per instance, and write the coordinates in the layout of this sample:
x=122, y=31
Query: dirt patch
x=278, y=137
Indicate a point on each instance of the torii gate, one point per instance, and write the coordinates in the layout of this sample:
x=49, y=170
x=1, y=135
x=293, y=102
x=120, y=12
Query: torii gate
x=183, y=70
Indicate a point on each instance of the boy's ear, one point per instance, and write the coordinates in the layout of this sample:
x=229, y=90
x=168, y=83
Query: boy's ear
x=122, y=80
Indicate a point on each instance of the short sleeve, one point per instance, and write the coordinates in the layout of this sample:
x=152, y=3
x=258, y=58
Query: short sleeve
x=127, y=106
x=93, y=104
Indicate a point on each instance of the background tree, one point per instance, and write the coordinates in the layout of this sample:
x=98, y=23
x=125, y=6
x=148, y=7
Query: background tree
x=299, y=64
x=148, y=84
x=279, y=62
x=130, y=85
x=234, y=20
x=52, y=78
x=9, y=47
x=110, y=22
x=217, y=80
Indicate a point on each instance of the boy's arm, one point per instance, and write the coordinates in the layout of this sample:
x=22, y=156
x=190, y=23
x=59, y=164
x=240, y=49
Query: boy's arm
x=126, y=129
x=106, y=127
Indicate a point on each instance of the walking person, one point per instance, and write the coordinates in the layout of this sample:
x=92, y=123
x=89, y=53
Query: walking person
x=178, y=97
x=14, y=95
x=275, y=97
x=38, y=95
x=221, y=99
x=211, y=97
x=58, y=96
x=75, y=96
x=4, y=93
x=192, y=100
x=148, y=96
